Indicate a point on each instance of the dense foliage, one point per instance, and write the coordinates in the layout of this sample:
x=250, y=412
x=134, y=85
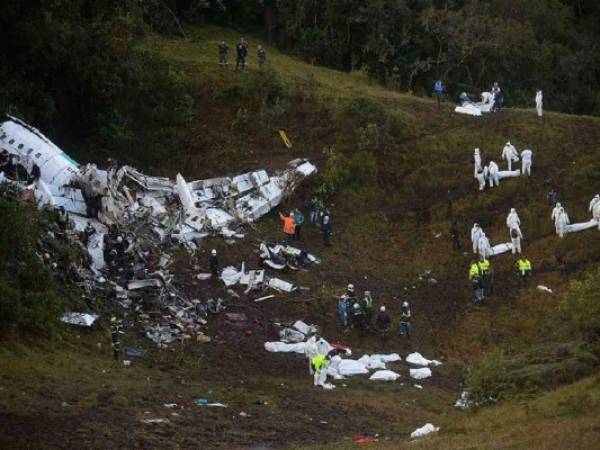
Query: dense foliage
x=72, y=67
x=407, y=44
x=29, y=300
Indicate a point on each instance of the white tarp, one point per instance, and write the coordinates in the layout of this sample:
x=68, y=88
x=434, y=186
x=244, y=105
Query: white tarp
x=469, y=109
x=424, y=430
x=416, y=359
x=350, y=367
x=371, y=363
x=284, y=347
x=508, y=174
x=387, y=358
x=420, y=374
x=501, y=248
x=385, y=375
x=304, y=328
x=575, y=227
x=281, y=285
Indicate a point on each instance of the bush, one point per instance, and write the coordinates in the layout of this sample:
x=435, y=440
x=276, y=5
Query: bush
x=364, y=111
x=28, y=299
x=357, y=172
x=581, y=305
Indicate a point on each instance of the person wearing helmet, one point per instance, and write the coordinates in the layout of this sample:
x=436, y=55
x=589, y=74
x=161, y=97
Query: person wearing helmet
x=512, y=219
x=359, y=317
x=510, y=154
x=476, y=233
x=289, y=226
x=213, y=263
x=62, y=218
x=326, y=231
x=367, y=306
x=404, y=327
x=383, y=323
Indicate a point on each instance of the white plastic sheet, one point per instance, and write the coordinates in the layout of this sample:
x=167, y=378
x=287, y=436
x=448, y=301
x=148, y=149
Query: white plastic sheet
x=371, y=363
x=575, y=227
x=420, y=374
x=349, y=367
x=424, y=431
x=417, y=359
x=385, y=375
x=284, y=347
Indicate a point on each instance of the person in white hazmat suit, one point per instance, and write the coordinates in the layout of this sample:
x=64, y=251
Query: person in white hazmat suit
x=594, y=208
x=484, y=247
x=526, y=161
x=476, y=233
x=510, y=154
x=492, y=174
x=561, y=222
x=515, y=239
x=476, y=161
x=513, y=219
x=555, y=211
x=539, y=102
x=480, y=176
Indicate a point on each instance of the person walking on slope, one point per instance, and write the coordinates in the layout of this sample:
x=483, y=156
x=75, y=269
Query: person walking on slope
x=343, y=311
x=483, y=246
x=486, y=273
x=367, y=306
x=480, y=176
x=561, y=222
x=523, y=266
x=404, y=327
x=510, y=154
x=223, y=53
x=492, y=175
x=289, y=225
x=241, y=50
x=555, y=211
x=515, y=239
x=477, y=161
x=298, y=222
x=476, y=233
x=438, y=90
x=213, y=263
x=261, y=54
x=383, y=324
x=326, y=231
x=539, y=102
x=513, y=218
x=454, y=234
x=477, y=282
x=526, y=161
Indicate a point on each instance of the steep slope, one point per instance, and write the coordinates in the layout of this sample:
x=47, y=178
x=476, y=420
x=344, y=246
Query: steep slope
x=397, y=171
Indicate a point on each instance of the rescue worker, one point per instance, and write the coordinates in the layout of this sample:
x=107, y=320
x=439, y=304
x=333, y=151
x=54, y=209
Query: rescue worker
x=404, y=327
x=289, y=228
x=594, y=208
x=476, y=233
x=298, y=222
x=367, y=306
x=510, y=154
x=313, y=211
x=319, y=365
x=88, y=232
x=593, y=202
x=213, y=263
x=261, y=54
x=523, y=269
x=223, y=54
x=539, y=102
x=478, y=289
x=484, y=246
x=474, y=270
x=551, y=198
x=477, y=161
x=62, y=218
x=498, y=97
x=555, y=211
x=359, y=317
x=513, y=219
x=561, y=222
x=526, y=161
x=343, y=311
x=480, y=176
x=493, y=174
x=438, y=90
x=350, y=296
x=486, y=273
x=383, y=324
x=515, y=238
x=241, y=52
x=455, y=235
x=326, y=231
x=115, y=330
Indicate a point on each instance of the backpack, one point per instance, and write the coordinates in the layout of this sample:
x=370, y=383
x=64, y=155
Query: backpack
x=514, y=233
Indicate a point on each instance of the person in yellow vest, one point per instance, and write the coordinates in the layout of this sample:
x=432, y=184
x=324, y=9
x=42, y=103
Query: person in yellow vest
x=319, y=365
x=523, y=266
x=487, y=274
x=477, y=281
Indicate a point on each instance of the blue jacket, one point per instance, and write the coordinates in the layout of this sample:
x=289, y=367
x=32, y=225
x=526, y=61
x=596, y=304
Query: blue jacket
x=342, y=309
x=438, y=87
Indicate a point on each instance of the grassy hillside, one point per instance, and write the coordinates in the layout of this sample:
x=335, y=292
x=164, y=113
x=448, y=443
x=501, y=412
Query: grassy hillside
x=396, y=171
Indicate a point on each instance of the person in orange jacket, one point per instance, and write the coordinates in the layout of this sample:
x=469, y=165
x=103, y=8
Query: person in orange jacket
x=289, y=225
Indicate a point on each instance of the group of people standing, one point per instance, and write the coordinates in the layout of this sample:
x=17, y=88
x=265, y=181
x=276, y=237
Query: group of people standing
x=241, y=53
x=318, y=216
x=358, y=313
x=490, y=173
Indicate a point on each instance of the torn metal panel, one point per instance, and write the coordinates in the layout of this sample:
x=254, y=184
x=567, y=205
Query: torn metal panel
x=81, y=319
x=281, y=285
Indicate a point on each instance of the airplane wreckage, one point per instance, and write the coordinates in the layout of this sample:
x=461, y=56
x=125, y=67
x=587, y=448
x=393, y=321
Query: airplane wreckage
x=142, y=213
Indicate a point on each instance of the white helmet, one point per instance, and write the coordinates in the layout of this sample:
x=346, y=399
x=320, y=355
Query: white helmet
x=512, y=210
x=213, y=252
x=356, y=306
x=119, y=239
x=382, y=309
x=351, y=287
x=405, y=304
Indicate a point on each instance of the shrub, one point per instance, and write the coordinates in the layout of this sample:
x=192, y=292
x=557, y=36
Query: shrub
x=364, y=111
x=581, y=305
